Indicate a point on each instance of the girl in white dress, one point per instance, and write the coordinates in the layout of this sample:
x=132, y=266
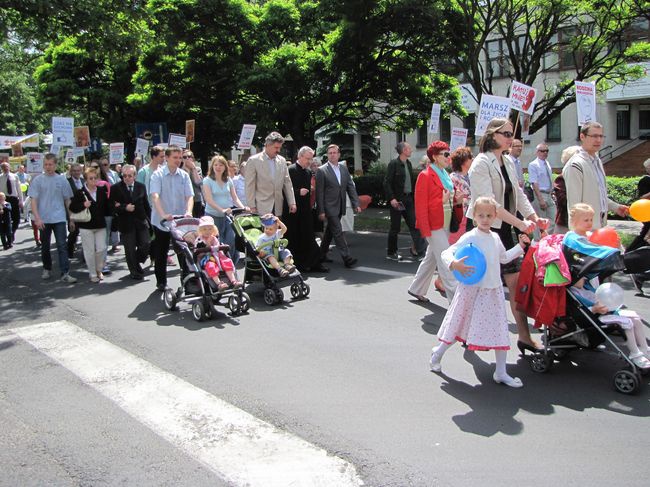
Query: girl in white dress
x=477, y=314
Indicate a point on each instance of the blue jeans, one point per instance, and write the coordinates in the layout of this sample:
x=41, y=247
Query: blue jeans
x=59, y=230
x=227, y=236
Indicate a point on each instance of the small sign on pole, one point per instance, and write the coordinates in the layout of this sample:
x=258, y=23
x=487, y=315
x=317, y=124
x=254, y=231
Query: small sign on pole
x=141, y=147
x=458, y=138
x=491, y=107
x=34, y=162
x=585, y=102
x=189, y=130
x=246, y=137
x=63, y=131
x=178, y=140
x=434, y=121
x=116, y=154
x=522, y=97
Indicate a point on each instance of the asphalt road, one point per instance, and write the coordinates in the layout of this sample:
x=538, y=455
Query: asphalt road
x=346, y=370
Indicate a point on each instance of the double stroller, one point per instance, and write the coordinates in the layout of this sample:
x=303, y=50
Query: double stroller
x=567, y=323
x=196, y=287
x=248, y=228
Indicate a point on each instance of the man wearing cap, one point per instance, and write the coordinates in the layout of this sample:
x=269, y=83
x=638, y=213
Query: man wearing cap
x=540, y=176
x=267, y=178
x=333, y=183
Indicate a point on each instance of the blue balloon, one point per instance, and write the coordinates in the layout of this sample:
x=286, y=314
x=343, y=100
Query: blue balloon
x=475, y=258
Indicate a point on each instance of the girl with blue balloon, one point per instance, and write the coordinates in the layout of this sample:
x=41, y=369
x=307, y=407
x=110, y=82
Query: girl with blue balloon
x=477, y=314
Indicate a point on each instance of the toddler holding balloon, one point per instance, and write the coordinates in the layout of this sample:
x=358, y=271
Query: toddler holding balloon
x=604, y=300
x=477, y=313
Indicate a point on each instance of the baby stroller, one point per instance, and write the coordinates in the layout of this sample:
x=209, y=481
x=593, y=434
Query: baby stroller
x=196, y=287
x=249, y=227
x=575, y=327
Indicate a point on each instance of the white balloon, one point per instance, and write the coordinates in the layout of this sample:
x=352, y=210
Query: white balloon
x=610, y=295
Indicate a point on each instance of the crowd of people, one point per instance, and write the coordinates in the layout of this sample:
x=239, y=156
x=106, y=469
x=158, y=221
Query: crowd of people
x=456, y=197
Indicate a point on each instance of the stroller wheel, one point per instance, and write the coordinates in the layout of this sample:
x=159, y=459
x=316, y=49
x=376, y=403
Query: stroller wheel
x=304, y=287
x=541, y=363
x=169, y=298
x=198, y=310
x=245, y=302
x=279, y=296
x=626, y=382
x=269, y=296
x=296, y=292
x=234, y=304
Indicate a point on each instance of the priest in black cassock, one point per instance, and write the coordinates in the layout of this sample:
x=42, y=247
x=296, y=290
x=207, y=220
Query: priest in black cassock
x=300, y=225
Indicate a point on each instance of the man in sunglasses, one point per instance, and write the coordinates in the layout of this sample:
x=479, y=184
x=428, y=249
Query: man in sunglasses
x=540, y=177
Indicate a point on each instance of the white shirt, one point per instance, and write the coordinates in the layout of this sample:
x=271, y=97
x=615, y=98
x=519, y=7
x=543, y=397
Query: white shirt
x=337, y=171
x=539, y=171
x=494, y=251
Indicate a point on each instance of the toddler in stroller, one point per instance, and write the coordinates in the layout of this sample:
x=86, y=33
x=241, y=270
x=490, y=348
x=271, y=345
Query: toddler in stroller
x=270, y=251
x=210, y=254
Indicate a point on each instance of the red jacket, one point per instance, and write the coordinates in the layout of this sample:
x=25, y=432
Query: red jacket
x=429, y=214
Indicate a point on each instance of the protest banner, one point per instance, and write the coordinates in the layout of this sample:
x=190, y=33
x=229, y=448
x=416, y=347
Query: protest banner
x=63, y=131
x=468, y=98
x=141, y=147
x=82, y=136
x=178, y=140
x=34, y=163
x=246, y=137
x=491, y=107
x=458, y=138
x=116, y=153
x=585, y=102
x=189, y=130
x=69, y=156
x=7, y=141
x=17, y=150
x=78, y=152
x=522, y=97
x=434, y=121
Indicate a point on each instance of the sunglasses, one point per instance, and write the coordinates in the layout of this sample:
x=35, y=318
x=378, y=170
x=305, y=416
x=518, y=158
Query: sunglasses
x=542, y=150
x=507, y=135
x=446, y=154
x=188, y=157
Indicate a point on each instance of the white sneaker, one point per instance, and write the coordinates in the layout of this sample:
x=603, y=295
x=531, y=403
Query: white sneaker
x=641, y=361
x=507, y=380
x=46, y=274
x=68, y=278
x=434, y=361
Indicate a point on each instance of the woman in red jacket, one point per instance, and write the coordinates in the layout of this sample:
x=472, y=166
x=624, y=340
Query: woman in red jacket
x=434, y=191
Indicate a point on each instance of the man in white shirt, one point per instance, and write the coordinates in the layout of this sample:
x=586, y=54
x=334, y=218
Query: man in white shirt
x=540, y=176
x=515, y=151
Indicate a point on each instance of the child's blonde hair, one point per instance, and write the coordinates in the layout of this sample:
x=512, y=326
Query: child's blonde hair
x=2, y=195
x=486, y=201
x=203, y=230
x=579, y=209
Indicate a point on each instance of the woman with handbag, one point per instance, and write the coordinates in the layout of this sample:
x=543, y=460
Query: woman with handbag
x=434, y=192
x=90, y=207
x=493, y=174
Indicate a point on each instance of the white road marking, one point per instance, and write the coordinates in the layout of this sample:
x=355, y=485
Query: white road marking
x=237, y=446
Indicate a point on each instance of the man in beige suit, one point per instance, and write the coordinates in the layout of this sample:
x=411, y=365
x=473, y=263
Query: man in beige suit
x=266, y=178
x=585, y=177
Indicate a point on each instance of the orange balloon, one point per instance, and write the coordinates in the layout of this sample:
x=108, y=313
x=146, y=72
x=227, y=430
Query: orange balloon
x=606, y=236
x=640, y=210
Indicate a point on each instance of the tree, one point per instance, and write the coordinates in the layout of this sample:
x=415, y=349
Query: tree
x=587, y=40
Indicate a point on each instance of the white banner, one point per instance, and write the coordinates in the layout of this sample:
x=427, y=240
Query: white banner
x=468, y=97
x=69, y=156
x=178, y=140
x=246, y=137
x=63, y=131
x=34, y=163
x=116, y=154
x=141, y=147
x=585, y=102
x=522, y=97
x=491, y=107
x=458, y=138
x=6, y=141
x=434, y=121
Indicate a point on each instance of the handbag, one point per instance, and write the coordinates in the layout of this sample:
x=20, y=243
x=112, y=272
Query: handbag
x=454, y=223
x=82, y=216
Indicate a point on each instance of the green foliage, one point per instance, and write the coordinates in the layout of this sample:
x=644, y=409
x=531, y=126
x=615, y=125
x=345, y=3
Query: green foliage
x=622, y=190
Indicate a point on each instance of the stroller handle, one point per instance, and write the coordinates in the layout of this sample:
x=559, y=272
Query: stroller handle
x=165, y=223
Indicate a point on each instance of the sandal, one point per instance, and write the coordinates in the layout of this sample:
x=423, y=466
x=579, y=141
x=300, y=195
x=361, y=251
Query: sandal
x=283, y=272
x=236, y=284
x=222, y=286
x=290, y=267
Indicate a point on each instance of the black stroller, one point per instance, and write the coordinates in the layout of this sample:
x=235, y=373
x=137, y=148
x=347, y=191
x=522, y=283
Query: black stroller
x=249, y=227
x=196, y=287
x=579, y=328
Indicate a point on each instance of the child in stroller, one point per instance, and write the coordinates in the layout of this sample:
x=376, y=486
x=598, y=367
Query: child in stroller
x=274, y=230
x=210, y=254
x=581, y=220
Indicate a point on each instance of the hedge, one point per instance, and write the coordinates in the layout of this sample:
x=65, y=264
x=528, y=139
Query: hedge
x=621, y=190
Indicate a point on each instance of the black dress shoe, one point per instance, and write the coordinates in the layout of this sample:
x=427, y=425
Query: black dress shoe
x=349, y=261
x=319, y=268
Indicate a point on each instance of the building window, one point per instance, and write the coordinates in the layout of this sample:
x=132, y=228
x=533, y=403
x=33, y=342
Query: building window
x=445, y=129
x=423, y=136
x=497, y=59
x=401, y=136
x=622, y=122
x=469, y=122
x=644, y=120
x=554, y=129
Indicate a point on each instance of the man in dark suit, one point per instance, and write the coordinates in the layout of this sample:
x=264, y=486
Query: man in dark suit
x=300, y=225
x=333, y=182
x=132, y=210
x=76, y=181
